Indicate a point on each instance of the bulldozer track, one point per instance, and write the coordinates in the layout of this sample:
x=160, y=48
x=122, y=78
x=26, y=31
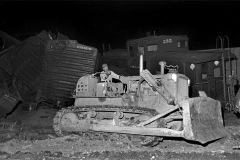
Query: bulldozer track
x=137, y=140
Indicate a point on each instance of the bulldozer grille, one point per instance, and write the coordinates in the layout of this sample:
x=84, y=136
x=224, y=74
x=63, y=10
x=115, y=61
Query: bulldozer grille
x=182, y=87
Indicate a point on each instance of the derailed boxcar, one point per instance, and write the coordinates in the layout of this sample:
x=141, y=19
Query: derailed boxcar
x=44, y=69
x=65, y=61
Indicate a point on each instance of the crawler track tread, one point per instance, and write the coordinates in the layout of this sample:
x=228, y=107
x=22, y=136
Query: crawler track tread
x=145, y=140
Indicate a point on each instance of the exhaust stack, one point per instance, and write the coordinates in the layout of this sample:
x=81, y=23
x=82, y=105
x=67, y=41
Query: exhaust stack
x=162, y=66
x=141, y=53
x=141, y=63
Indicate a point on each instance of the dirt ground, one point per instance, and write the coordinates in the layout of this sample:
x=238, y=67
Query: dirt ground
x=29, y=135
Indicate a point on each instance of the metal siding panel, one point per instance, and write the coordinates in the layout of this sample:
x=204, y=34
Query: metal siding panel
x=53, y=70
x=64, y=64
x=7, y=102
x=182, y=87
x=25, y=61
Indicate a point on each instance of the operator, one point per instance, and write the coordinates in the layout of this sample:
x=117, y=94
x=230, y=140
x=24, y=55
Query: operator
x=107, y=75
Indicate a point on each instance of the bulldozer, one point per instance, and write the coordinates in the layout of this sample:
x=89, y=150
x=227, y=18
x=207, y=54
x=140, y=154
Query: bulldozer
x=142, y=110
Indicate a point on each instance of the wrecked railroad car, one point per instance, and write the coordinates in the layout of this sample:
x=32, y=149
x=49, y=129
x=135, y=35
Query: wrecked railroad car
x=44, y=69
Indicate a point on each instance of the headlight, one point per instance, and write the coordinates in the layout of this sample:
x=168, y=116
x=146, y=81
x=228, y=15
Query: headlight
x=188, y=81
x=174, y=77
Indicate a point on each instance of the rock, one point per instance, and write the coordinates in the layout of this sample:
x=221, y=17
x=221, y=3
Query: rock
x=4, y=155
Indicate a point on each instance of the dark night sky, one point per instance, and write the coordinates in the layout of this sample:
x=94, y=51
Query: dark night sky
x=94, y=22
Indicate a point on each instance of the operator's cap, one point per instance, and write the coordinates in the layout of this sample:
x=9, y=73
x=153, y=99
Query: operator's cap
x=104, y=65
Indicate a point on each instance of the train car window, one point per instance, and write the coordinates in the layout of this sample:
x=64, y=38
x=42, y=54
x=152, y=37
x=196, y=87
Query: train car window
x=141, y=50
x=204, y=71
x=152, y=48
x=182, y=43
x=217, y=72
x=131, y=51
x=144, y=64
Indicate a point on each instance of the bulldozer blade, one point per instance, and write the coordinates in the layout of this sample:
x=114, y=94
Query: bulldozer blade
x=205, y=120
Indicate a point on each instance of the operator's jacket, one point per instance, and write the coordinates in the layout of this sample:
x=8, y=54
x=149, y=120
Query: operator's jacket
x=108, y=76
